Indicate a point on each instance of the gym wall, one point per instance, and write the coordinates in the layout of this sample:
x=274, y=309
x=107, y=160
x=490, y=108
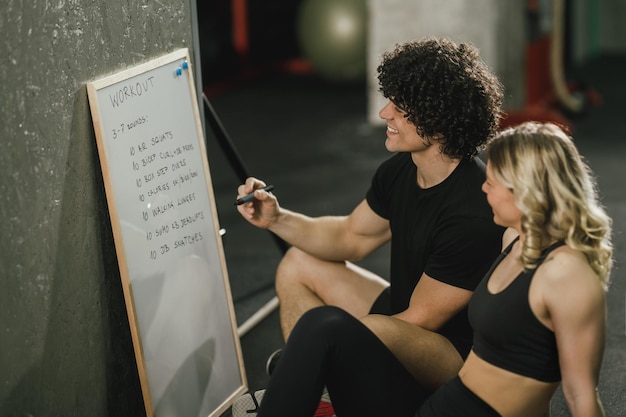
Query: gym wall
x=65, y=344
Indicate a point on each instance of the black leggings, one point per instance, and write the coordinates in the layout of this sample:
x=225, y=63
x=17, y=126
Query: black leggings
x=454, y=399
x=328, y=347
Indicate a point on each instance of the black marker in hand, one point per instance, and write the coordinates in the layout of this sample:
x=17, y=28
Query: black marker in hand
x=250, y=197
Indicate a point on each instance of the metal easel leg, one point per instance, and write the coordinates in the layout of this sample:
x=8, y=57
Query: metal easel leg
x=236, y=162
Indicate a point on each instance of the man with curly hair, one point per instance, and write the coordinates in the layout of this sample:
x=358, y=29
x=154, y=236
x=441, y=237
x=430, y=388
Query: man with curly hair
x=444, y=106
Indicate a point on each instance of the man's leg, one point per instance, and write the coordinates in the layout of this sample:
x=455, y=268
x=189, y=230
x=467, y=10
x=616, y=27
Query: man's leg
x=329, y=347
x=429, y=357
x=304, y=282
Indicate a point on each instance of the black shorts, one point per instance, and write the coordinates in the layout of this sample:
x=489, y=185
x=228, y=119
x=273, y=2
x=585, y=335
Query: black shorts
x=382, y=305
x=454, y=399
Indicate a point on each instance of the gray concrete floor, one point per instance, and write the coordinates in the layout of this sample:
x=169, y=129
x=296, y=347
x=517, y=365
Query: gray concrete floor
x=311, y=140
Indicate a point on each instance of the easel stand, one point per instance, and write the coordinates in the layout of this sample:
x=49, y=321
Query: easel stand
x=242, y=173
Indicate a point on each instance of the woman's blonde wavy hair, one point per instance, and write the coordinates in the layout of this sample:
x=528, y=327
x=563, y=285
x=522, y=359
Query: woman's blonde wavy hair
x=556, y=192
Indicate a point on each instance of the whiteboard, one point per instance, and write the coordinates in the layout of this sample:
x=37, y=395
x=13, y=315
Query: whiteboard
x=163, y=214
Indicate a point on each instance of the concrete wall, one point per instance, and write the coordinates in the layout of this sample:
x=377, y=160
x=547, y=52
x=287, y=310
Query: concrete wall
x=496, y=28
x=612, y=31
x=65, y=346
x=597, y=28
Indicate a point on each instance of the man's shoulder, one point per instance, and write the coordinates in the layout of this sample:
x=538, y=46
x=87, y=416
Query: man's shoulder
x=475, y=167
x=464, y=195
x=468, y=177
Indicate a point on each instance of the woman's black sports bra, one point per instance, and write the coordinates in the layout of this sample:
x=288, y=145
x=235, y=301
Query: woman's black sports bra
x=506, y=331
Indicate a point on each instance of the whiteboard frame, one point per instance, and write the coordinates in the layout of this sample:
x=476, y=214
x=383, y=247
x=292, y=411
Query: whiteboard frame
x=101, y=136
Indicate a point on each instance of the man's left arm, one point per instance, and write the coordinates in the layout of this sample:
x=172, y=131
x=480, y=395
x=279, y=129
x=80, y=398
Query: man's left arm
x=461, y=257
x=410, y=335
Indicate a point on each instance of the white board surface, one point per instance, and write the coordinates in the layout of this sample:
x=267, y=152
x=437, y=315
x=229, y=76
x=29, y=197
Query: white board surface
x=163, y=214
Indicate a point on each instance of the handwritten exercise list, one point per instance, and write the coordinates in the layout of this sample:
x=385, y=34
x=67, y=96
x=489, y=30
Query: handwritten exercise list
x=160, y=168
x=164, y=170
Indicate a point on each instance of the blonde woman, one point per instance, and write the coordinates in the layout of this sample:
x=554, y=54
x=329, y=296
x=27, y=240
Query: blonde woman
x=539, y=314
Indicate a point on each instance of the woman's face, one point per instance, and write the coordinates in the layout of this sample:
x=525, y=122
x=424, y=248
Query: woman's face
x=502, y=202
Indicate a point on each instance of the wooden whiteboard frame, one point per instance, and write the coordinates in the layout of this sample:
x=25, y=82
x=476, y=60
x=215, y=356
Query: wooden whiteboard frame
x=112, y=99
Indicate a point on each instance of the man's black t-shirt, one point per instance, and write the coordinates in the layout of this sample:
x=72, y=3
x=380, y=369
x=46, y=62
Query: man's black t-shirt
x=446, y=231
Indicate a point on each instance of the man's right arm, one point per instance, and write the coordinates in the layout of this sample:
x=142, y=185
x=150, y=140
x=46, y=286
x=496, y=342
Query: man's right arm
x=335, y=238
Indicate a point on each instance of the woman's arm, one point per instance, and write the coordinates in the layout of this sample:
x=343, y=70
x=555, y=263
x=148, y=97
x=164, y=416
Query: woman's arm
x=576, y=311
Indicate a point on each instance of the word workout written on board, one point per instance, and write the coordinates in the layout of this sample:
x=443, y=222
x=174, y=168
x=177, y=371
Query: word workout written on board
x=164, y=221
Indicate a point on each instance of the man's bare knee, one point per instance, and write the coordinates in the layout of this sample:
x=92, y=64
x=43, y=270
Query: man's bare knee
x=292, y=270
x=295, y=287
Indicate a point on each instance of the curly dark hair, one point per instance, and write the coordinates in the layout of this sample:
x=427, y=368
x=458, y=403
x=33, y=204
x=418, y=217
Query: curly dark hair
x=447, y=92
